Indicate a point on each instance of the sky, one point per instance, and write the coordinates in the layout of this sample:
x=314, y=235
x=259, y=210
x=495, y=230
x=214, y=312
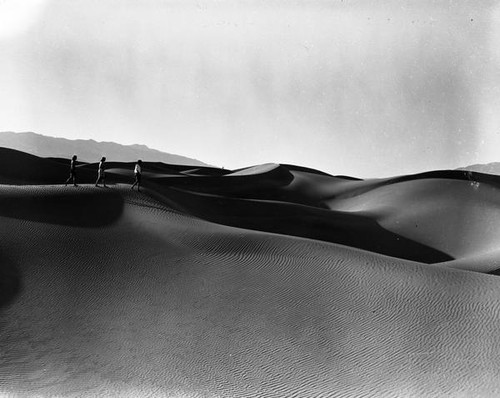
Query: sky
x=363, y=88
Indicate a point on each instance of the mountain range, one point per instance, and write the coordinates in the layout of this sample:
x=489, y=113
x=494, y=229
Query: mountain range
x=87, y=150
x=488, y=168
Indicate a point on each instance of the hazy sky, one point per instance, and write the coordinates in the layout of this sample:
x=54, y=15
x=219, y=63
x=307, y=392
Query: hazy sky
x=365, y=88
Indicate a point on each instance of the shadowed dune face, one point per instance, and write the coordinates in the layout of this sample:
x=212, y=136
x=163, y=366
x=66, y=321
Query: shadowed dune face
x=204, y=286
x=24, y=169
x=432, y=218
x=82, y=207
x=458, y=217
x=356, y=230
x=10, y=280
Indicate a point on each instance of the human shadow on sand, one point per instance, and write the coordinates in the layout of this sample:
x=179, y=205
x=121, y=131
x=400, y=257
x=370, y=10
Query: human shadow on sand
x=78, y=207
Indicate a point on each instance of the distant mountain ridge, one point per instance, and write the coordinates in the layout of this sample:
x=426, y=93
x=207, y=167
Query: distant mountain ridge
x=88, y=150
x=487, y=168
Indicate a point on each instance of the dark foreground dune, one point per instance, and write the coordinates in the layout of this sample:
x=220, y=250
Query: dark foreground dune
x=271, y=281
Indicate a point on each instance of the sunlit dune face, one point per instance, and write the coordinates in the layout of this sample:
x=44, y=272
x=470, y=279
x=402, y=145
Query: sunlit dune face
x=17, y=16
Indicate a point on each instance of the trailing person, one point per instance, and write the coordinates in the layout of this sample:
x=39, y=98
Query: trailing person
x=101, y=173
x=138, y=174
x=72, y=171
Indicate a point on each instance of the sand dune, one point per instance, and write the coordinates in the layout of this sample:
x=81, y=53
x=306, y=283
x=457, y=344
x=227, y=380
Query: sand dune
x=271, y=281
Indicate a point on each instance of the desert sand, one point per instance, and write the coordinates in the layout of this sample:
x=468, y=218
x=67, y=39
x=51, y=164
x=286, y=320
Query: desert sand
x=270, y=281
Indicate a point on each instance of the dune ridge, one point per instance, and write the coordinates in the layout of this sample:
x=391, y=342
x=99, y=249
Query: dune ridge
x=198, y=287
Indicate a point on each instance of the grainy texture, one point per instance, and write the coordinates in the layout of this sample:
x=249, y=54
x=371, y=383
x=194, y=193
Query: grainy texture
x=148, y=300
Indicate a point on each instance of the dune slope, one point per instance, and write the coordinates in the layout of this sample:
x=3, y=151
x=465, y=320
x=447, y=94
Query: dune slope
x=434, y=217
x=140, y=294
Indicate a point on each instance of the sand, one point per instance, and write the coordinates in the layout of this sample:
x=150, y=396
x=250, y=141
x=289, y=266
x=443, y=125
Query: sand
x=271, y=281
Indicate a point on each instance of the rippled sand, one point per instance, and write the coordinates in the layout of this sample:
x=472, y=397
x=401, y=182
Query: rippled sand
x=219, y=284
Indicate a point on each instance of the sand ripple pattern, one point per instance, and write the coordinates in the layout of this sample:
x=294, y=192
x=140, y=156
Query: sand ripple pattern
x=158, y=304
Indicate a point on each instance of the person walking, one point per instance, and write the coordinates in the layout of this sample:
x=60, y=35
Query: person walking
x=72, y=171
x=137, y=173
x=101, y=174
